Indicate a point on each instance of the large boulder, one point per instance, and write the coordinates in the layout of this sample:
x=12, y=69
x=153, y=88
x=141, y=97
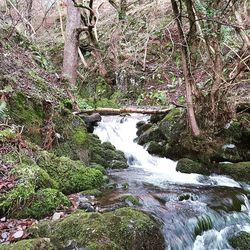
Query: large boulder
x=188, y=166
x=239, y=171
x=125, y=228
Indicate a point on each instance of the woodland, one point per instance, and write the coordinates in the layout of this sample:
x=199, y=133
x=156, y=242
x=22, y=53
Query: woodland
x=66, y=64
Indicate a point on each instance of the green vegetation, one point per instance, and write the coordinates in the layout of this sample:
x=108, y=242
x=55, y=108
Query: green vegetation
x=124, y=228
x=31, y=244
x=239, y=171
x=72, y=176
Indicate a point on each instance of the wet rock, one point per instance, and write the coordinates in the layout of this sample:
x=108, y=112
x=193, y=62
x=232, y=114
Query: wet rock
x=144, y=127
x=113, y=207
x=240, y=241
x=86, y=206
x=239, y=171
x=204, y=223
x=139, y=124
x=188, y=196
x=188, y=166
x=156, y=148
x=151, y=134
x=91, y=121
x=130, y=200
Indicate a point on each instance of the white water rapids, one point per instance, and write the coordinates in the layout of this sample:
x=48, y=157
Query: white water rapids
x=156, y=178
x=121, y=132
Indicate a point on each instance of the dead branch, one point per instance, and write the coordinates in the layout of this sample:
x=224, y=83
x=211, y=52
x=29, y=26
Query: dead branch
x=112, y=111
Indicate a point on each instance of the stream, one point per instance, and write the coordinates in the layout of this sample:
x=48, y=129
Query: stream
x=197, y=212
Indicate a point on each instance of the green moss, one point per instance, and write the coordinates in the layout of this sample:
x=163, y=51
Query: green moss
x=72, y=176
x=7, y=134
x=188, y=166
x=241, y=241
x=106, y=155
x=155, y=148
x=130, y=198
x=27, y=112
x=16, y=199
x=94, y=192
x=23, y=200
x=239, y=171
x=79, y=136
x=32, y=244
x=42, y=203
x=37, y=176
x=204, y=223
x=125, y=228
x=73, y=140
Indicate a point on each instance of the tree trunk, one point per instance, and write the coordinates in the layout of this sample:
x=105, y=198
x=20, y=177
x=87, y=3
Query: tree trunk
x=111, y=111
x=70, y=58
x=186, y=70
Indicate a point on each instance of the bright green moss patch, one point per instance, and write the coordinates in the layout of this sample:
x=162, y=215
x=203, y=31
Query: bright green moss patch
x=37, y=176
x=79, y=136
x=72, y=176
x=125, y=228
x=32, y=244
x=42, y=203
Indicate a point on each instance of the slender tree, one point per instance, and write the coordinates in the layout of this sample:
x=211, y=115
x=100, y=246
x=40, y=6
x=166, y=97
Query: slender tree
x=186, y=70
x=70, y=58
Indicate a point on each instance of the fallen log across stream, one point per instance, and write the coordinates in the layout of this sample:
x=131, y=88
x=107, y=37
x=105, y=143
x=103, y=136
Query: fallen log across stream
x=113, y=111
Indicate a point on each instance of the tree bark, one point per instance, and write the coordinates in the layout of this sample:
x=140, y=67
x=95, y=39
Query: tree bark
x=186, y=70
x=111, y=111
x=70, y=58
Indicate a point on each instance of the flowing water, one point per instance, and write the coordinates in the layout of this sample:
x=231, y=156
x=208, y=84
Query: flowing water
x=198, y=212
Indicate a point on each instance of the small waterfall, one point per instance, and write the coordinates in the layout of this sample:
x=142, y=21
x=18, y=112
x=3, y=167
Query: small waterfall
x=181, y=201
x=121, y=132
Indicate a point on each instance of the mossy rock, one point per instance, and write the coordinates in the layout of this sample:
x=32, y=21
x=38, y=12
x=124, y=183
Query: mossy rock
x=115, y=164
x=204, y=223
x=73, y=138
x=169, y=125
x=151, y=134
x=23, y=202
x=42, y=203
x=72, y=176
x=188, y=166
x=130, y=199
x=37, y=176
x=31, y=244
x=105, y=154
x=30, y=180
x=142, y=128
x=240, y=241
x=239, y=171
x=156, y=148
x=28, y=112
x=92, y=192
x=228, y=152
x=122, y=229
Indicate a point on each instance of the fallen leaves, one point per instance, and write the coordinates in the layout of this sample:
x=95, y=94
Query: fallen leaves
x=13, y=230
